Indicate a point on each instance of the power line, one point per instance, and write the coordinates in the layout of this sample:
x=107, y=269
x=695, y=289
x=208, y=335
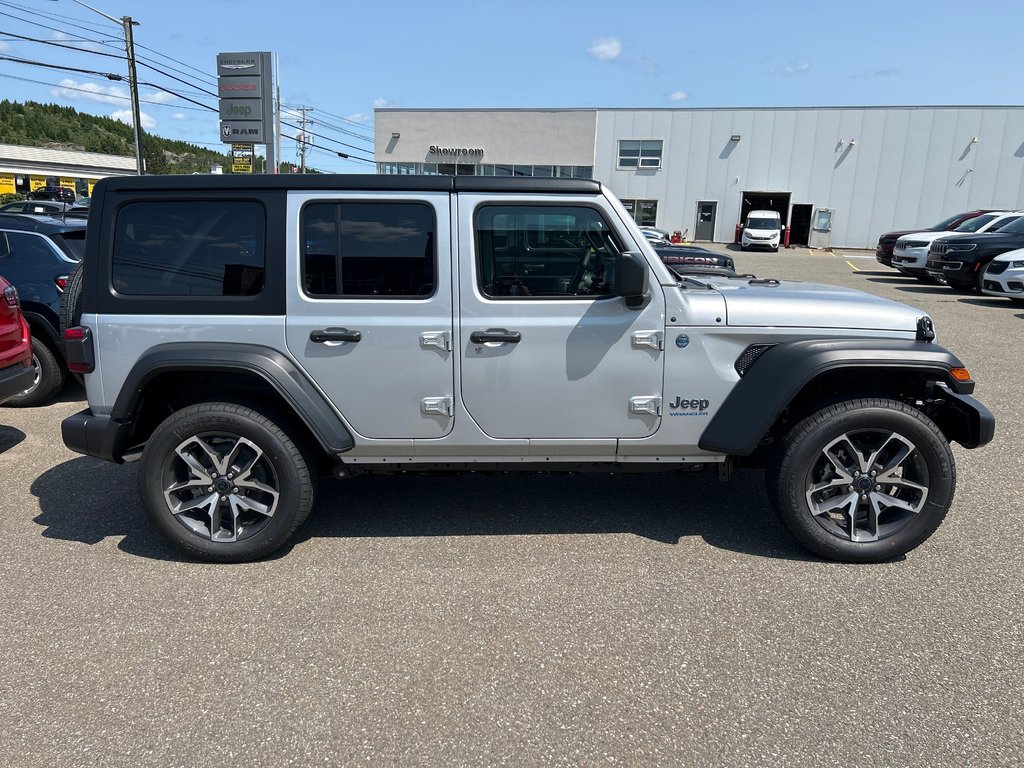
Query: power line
x=327, y=138
x=32, y=62
x=105, y=95
x=97, y=27
x=61, y=45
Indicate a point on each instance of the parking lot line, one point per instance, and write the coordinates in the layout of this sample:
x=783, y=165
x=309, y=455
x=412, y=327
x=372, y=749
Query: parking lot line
x=855, y=269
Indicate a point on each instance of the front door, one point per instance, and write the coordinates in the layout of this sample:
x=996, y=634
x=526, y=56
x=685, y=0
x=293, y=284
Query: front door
x=706, y=213
x=370, y=308
x=547, y=350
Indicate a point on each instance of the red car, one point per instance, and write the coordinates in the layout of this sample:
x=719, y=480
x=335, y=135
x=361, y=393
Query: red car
x=16, y=371
x=883, y=252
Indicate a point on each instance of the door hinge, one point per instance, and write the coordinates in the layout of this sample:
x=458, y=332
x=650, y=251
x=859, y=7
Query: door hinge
x=652, y=339
x=436, y=405
x=440, y=339
x=645, y=404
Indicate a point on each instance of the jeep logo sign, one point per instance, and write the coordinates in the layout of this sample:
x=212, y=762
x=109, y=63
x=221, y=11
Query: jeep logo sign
x=241, y=109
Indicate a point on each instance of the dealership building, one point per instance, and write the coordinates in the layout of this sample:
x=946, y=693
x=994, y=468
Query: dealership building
x=23, y=169
x=839, y=176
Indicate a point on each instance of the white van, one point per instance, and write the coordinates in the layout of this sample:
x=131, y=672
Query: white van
x=762, y=229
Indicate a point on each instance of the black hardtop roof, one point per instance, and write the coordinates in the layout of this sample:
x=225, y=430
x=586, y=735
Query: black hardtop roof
x=45, y=225
x=346, y=182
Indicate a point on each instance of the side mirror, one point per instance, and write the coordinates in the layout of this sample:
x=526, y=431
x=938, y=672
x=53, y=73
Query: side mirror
x=630, y=278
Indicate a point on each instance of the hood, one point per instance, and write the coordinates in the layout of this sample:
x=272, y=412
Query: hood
x=794, y=304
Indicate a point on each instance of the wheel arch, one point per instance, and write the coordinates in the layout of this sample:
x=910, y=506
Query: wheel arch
x=792, y=379
x=172, y=376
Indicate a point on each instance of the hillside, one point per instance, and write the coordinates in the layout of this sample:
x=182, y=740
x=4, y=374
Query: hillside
x=52, y=126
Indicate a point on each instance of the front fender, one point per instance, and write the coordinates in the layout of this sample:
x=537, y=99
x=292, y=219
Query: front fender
x=772, y=382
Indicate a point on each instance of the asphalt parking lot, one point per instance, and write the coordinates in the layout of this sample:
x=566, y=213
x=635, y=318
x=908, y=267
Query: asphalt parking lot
x=582, y=620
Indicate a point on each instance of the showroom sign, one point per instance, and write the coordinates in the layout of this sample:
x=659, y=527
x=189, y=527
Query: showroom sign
x=436, y=150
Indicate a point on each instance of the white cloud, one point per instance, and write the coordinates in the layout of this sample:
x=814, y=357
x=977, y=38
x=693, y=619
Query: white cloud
x=381, y=103
x=788, y=70
x=678, y=96
x=179, y=116
x=125, y=116
x=605, y=48
x=4, y=46
x=358, y=117
x=72, y=90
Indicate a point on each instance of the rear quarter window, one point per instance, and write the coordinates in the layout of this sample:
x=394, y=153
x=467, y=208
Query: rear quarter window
x=189, y=248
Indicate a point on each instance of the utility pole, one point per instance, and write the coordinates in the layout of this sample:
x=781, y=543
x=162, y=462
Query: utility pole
x=303, y=149
x=277, y=114
x=133, y=83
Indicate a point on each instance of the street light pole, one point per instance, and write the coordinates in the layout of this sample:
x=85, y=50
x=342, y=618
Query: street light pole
x=126, y=24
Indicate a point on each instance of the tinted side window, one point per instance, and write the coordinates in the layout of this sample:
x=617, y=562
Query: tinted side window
x=551, y=251
x=31, y=249
x=189, y=248
x=378, y=249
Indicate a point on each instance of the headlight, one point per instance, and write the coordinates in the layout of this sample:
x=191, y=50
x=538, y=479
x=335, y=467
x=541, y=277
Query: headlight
x=1017, y=264
x=960, y=247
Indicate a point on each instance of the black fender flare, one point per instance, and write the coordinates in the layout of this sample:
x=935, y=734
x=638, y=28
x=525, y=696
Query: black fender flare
x=783, y=370
x=270, y=365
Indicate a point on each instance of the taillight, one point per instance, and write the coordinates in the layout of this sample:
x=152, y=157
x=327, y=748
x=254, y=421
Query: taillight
x=11, y=296
x=61, y=282
x=78, y=346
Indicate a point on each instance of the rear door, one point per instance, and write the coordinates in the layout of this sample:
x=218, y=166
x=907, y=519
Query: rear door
x=370, y=307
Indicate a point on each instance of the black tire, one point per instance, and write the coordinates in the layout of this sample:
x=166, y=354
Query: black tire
x=49, y=380
x=822, y=487
x=71, y=301
x=929, y=280
x=71, y=309
x=277, y=478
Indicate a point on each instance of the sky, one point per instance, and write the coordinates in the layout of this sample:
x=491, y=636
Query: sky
x=343, y=59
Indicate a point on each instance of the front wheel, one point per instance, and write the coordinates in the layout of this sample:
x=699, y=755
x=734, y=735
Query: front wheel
x=225, y=483
x=863, y=480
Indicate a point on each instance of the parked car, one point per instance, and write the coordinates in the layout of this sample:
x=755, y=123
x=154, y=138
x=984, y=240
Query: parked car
x=694, y=260
x=79, y=210
x=910, y=254
x=1004, y=276
x=35, y=207
x=655, y=235
x=886, y=242
x=961, y=260
x=16, y=373
x=235, y=370
x=60, y=194
x=762, y=229
x=37, y=255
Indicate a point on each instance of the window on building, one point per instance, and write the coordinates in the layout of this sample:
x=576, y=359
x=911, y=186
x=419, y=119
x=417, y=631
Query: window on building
x=644, y=212
x=189, y=248
x=549, y=251
x=372, y=249
x=640, y=153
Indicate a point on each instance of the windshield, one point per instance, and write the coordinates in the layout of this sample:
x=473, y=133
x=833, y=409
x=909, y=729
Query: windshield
x=1002, y=223
x=973, y=225
x=946, y=223
x=1016, y=228
x=762, y=224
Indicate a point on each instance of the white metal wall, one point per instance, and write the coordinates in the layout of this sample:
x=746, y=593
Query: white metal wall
x=907, y=167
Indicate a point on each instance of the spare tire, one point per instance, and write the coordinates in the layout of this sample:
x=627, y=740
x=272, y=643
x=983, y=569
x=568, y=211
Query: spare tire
x=71, y=307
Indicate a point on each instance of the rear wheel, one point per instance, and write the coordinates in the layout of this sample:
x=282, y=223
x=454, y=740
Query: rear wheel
x=863, y=480
x=49, y=377
x=225, y=483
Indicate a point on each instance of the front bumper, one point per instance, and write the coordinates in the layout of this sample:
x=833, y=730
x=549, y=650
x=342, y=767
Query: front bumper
x=15, y=379
x=99, y=436
x=749, y=242
x=910, y=260
x=1009, y=283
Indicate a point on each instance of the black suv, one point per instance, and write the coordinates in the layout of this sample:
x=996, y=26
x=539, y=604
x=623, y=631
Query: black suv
x=60, y=194
x=37, y=255
x=961, y=260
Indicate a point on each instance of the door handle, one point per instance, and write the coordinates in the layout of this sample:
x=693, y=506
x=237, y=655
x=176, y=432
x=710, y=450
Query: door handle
x=495, y=334
x=335, y=334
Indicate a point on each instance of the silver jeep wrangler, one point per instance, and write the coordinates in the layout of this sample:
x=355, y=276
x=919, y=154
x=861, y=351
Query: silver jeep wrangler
x=242, y=336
